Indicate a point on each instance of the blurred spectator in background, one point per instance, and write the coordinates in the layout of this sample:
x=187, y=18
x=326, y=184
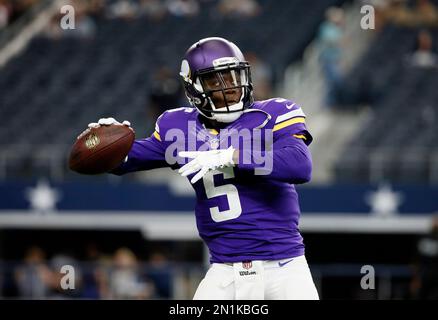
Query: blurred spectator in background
x=330, y=41
x=125, y=280
x=84, y=24
x=398, y=13
x=183, y=8
x=239, y=9
x=165, y=92
x=5, y=12
x=154, y=10
x=94, y=283
x=426, y=13
x=161, y=274
x=125, y=9
x=57, y=262
x=424, y=284
x=11, y=10
x=423, y=14
x=423, y=56
x=95, y=8
x=34, y=278
x=261, y=76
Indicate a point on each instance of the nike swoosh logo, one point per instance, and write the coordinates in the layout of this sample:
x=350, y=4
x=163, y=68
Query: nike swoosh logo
x=281, y=264
x=289, y=106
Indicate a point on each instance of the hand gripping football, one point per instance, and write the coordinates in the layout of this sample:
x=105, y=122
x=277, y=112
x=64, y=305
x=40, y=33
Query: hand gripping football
x=101, y=149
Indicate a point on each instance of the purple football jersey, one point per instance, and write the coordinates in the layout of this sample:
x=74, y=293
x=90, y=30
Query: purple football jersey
x=249, y=211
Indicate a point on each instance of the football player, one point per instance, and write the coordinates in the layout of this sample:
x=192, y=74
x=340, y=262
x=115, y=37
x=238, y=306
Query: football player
x=247, y=210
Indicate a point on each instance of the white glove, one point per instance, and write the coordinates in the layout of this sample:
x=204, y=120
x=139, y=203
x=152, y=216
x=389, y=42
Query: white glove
x=107, y=122
x=103, y=122
x=204, y=161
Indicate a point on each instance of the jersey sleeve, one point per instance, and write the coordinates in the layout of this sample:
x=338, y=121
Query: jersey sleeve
x=145, y=154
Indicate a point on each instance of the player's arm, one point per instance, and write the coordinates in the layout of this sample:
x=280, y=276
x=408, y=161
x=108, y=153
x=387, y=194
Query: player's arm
x=145, y=154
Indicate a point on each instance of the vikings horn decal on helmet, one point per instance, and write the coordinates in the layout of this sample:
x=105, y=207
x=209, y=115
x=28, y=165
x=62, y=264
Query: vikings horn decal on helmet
x=217, y=79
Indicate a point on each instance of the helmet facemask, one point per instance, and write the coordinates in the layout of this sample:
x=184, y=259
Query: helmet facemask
x=222, y=92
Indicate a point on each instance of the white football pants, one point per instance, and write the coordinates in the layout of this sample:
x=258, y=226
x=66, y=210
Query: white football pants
x=286, y=279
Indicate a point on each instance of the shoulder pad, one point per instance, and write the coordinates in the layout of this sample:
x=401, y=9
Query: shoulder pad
x=172, y=118
x=282, y=109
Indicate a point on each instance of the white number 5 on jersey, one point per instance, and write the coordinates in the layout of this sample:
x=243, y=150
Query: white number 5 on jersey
x=229, y=190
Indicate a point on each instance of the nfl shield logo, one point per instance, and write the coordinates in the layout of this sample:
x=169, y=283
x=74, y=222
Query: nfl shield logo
x=214, y=144
x=246, y=264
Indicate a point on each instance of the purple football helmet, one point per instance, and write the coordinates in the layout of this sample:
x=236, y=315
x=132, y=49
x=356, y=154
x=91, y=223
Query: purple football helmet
x=214, y=66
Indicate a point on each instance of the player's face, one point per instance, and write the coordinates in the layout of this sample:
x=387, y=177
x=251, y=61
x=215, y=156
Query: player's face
x=227, y=80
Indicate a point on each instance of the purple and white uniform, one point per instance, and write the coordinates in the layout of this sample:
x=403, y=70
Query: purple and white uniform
x=250, y=211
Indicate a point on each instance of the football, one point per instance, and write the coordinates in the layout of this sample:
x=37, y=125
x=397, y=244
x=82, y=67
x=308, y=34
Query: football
x=101, y=149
